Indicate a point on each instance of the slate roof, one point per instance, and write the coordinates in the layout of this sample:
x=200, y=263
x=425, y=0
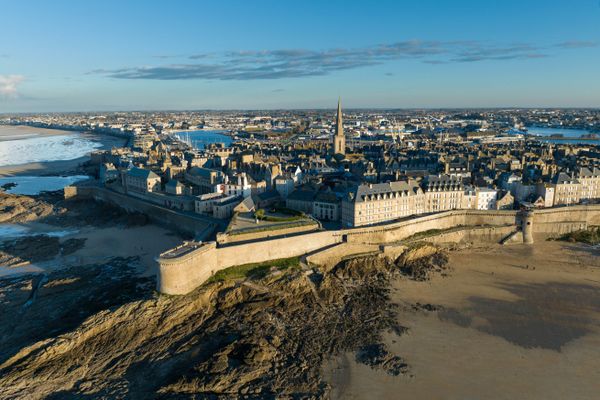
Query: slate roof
x=363, y=191
x=302, y=195
x=141, y=173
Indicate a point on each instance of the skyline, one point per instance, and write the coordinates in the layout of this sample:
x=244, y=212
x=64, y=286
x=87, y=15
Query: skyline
x=72, y=57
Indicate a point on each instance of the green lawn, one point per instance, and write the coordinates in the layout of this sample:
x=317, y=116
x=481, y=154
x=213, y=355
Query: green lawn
x=271, y=218
x=254, y=270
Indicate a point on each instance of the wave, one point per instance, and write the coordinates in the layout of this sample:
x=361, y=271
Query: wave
x=46, y=148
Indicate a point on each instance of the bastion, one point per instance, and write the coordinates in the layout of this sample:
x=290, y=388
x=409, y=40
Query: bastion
x=186, y=267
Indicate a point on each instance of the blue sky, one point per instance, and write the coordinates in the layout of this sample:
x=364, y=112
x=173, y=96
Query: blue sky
x=131, y=55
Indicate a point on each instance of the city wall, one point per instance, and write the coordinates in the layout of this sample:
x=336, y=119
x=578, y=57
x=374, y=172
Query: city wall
x=441, y=221
x=485, y=234
x=268, y=232
x=557, y=221
x=180, y=274
x=183, y=273
x=182, y=270
x=160, y=215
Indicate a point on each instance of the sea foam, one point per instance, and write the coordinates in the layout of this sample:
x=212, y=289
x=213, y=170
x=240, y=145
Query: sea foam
x=45, y=148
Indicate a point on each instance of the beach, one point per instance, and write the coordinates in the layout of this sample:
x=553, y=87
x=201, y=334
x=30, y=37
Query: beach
x=507, y=322
x=17, y=136
x=102, y=233
x=20, y=132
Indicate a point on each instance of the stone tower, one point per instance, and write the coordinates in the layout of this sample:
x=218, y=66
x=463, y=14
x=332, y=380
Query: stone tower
x=339, y=140
x=527, y=226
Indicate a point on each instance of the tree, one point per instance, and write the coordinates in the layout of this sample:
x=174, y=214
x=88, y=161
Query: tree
x=260, y=213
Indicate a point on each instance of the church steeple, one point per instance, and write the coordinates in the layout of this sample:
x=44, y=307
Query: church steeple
x=339, y=140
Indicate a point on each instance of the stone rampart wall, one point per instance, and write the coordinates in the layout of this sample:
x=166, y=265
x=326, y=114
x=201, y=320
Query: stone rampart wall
x=224, y=238
x=158, y=214
x=208, y=262
x=182, y=274
x=486, y=234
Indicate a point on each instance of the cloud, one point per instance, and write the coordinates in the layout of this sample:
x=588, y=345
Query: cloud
x=479, y=53
x=9, y=83
x=297, y=63
x=577, y=44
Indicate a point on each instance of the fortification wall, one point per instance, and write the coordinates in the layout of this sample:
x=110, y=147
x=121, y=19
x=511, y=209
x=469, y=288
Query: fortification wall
x=445, y=220
x=589, y=214
x=205, y=264
x=329, y=257
x=180, y=275
x=487, y=234
x=274, y=249
x=223, y=238
x=158, y=214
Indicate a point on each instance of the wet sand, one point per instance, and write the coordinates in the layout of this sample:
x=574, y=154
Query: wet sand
x=50, y=167
x=514, y=322
x=101, y=245
x=17, y=132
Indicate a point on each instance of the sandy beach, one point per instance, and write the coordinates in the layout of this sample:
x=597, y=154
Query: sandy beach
x=11, y=133
x=100, y=233
x=102, y=244
x=511, y=322
x=18, y=132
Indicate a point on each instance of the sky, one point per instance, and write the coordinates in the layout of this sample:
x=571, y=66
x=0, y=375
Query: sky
x=186, y=55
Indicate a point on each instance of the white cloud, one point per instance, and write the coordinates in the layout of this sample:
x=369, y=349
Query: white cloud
x=9, y=83
x=297, y=63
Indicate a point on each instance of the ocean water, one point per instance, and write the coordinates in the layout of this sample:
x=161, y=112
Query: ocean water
x=566, y=132
x=200, y=139
x=45, y=148
x=570, y=136
x=31, y=185
x=13, y=231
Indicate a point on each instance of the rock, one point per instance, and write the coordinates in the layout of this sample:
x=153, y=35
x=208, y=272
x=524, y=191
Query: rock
x=421, y=262
x=105, y=336
x=16, y=208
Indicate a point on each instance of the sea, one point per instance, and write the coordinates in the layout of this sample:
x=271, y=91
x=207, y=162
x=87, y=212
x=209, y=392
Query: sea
x=200, y=139
x=33, y=185
x=570, y=136
x=45, y=148
x=15, y=231
x=40, y=149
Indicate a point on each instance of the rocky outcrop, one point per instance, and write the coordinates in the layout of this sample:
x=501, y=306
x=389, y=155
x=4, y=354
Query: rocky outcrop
x=15, y=209
x=266, y=338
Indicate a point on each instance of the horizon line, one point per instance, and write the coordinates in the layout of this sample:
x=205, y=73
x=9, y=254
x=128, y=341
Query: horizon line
x=308, y=109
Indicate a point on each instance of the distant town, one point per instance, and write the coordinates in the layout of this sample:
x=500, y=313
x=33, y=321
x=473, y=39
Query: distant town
x=342, y=169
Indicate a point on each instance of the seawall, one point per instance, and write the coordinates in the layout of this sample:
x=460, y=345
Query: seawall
x=182, y=271
x=172, y=218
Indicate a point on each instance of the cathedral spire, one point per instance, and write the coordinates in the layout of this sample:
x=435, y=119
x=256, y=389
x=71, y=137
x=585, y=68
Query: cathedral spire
x=339, y=127
x=339, y=140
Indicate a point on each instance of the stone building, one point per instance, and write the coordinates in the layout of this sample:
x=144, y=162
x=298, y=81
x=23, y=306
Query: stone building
x=326, y=206
x=206, y=179
x=582, y=185
x=141, y=180
x=376, y=203
x=443, y=192
x=567, y=189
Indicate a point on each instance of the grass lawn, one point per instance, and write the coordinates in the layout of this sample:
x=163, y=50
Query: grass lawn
x=254, y=270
